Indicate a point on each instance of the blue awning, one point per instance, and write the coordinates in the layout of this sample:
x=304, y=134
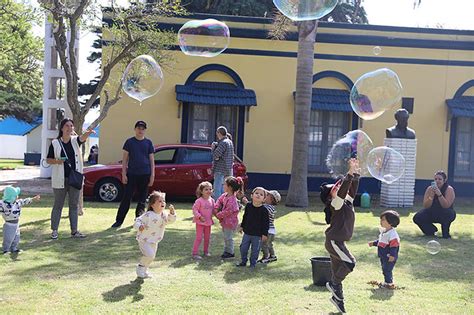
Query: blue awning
x=461, y=106
x=330, y=100
x=215, y=93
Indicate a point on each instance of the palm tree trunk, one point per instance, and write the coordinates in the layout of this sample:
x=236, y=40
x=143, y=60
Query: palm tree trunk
x=298, y=191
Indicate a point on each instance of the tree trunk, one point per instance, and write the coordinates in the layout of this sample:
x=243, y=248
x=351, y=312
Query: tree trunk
x=298, y=191
x=78, y=126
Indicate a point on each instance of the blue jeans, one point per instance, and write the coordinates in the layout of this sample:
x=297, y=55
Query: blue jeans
x=387, y=268
x=218, y=185
x=248, y=240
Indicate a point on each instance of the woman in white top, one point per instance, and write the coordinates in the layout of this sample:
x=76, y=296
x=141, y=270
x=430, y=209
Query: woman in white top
x=64, y=153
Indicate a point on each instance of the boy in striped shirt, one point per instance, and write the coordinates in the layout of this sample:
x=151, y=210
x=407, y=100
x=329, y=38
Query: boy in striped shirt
x=273, y=198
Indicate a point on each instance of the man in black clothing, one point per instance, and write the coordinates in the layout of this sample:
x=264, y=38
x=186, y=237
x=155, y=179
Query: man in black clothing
x=138, y=172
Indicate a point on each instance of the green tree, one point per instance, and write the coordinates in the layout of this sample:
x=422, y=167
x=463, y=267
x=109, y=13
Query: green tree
x=132, y=33
x=346, y=11
x=21, y=84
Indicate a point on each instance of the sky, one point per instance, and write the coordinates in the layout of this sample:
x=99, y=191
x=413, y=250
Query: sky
x=448, y=14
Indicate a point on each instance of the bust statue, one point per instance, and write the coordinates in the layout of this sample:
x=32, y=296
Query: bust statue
x=401, y=130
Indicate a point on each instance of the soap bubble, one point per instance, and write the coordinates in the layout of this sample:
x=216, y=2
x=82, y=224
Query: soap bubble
x=375, y=92
x=142, y=78
x=377, y=50
x=305, y=10
x=386, y=164
x=433, y=247
x=203, y=38
x=353, y=144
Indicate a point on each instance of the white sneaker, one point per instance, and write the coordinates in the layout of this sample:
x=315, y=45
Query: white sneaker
x=197, y=257
x=148, y=274
x=141, y=271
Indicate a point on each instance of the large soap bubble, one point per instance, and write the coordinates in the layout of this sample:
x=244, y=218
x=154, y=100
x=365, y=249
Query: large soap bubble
x=203, y=38
x=386, y=164
x=433, y=247
x=142, y=78
x=305, y=10
x=353, y=144
x=375, y=92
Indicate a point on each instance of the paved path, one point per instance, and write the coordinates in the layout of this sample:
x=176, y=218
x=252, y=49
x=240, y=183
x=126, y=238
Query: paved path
x=27, y=178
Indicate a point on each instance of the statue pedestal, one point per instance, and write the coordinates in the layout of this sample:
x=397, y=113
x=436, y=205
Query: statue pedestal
x=402, y=192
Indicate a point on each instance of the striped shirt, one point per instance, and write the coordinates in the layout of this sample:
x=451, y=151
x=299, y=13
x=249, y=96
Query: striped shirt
x=223, y=157
x=271, y=216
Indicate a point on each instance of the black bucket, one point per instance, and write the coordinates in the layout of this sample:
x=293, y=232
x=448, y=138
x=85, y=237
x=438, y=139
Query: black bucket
x=321, y=270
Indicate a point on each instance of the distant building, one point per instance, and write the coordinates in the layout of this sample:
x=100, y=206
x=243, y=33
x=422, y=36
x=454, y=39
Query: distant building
x=18, y=137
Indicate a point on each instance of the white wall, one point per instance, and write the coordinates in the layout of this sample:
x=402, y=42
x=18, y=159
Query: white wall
x=12, y=147
x=33, y=144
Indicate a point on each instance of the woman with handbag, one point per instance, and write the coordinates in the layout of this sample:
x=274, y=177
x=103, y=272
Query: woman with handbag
x=65, y=157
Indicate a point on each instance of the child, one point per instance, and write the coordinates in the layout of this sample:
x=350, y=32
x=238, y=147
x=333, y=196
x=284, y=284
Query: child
x=226, y=210
x=10, y=207
x=338, y=200
x=202, y=210
x=272, y=199
x=255, y=225
x=151, y=229
x=388, y=245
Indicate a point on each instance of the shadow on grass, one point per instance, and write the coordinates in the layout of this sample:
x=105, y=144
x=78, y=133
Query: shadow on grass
x=381, y=294
x=316, y=288
x=315, y=222
x=122, y=291
x=109, y=250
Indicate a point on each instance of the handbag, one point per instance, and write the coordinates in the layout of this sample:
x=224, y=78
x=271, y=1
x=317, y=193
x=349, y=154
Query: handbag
x=76, y=179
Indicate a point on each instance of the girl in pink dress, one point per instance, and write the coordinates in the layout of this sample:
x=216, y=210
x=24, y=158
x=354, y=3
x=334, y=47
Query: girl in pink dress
x=203, y=209
x=227, y=211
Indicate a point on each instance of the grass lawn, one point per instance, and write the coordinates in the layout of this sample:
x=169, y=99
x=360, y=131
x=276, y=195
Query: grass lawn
x=97, y=274
x=7, y=164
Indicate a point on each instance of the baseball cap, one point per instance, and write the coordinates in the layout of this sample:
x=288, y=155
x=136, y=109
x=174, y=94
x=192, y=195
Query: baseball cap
x=140, y=123
x=276, y=195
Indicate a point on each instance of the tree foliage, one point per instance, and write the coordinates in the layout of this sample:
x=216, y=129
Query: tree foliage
x=21, y=84
x=132, y=33
x=230, y=7
x=350, y=11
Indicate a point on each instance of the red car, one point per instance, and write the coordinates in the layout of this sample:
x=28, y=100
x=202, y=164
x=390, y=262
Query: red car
x=179, y=168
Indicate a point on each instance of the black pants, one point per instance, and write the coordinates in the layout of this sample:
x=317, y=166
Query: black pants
x=426, y=217
x=342, y=261
x=138, y=183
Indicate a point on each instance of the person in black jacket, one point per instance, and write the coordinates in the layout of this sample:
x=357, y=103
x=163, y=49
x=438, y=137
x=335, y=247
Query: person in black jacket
x=338, y=199
x=255, y=225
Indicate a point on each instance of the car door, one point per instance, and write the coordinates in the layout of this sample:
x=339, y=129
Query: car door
x=165, y=170
x=194, y=167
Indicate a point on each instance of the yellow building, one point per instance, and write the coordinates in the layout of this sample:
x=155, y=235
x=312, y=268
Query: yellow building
x=249, y=89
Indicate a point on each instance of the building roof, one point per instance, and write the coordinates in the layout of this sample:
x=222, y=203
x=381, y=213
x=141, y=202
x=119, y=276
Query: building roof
x=330, y=100
x=15, y=127
x=461, y=106
x=215, y=93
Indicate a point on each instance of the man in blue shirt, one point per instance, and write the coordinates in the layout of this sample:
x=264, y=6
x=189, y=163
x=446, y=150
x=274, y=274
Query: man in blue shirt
x=138, y=172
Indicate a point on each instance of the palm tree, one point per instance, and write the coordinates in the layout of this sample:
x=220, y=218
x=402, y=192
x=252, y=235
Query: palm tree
x=298, y=190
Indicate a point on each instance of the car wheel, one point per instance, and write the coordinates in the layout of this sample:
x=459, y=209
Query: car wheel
x=109, y=190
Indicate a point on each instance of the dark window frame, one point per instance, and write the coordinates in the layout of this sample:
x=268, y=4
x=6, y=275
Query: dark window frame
x=460, y=172
x=213, y=123
x=325, y=145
